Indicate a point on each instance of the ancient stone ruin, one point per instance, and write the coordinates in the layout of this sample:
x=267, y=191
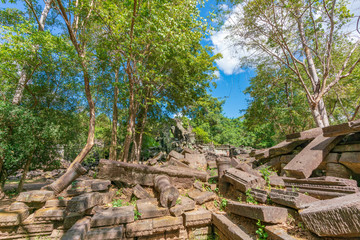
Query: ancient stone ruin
x=306, y=187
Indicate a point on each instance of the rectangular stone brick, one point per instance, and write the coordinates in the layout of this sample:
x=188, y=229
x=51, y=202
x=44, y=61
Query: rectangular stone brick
x=13, y=218
x=228, y=229
x=186, y=204
x=151, y=210
x=35, y=228
x=201, y=197
x=342, y=129
x=290, y=199
x=338, y=217
x=49, y=214
x=83, y=202
x=311, y=157
x=113, y=216
x=197, y=217
x=351, y=160
x=78, y=231
x=35, y=196
x=242, y=180
x=112, y=233
x=267, y=214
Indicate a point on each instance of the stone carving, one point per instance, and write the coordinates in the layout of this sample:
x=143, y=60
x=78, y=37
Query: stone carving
x=50, y=214
x=290, y=199
x=242, y=180
x=168, y=193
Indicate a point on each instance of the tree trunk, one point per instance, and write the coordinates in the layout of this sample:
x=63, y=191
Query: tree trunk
x=140, y=132
x=23, y=177
x=113, y=150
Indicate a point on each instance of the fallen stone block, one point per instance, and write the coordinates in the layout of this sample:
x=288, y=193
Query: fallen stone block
x=277, y=233
x=154, y=160
x=305, y=135
x=144, y=175
x=168, y=193
x=337, y=170
x=35, y=228
x=167, y=223
x=341, y=148
x=71, y=219
x=290, y=199
x=338, y=217
x=276, y=181
x=57, y=234
x=140, y=192
x=195, y=160
x=197, y=217
x=35, y=196
x=201, y=197
x=185, y=204
x=50, y=214
x=106, y=233
x=78, y=231
x=13, y=218
x=351, y=160
x=259, y=195
x=139, y=228
x=56, y=203
x=223, y=164
x=177, y=163
x=341, y=129
x=267, y=214
x=242, y=180
x=99, y=185
x=200, y=232
x=311, y=157
x=83, y=202
x=279, y=149
x=175, y=155
x=228, y=229
x=322, y=187
x=247, y=168
x=15, y=206
x=151, y=210
x=113, y=216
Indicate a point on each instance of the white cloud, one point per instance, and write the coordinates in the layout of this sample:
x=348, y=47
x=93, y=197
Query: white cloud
x=217, y=73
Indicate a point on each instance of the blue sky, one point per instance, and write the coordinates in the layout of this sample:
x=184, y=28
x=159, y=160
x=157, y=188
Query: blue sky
x=232, y=79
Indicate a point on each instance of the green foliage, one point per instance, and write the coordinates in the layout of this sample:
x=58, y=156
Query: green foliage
x=266, y=172
x=249, y=197
x=117, y=203
x=261, y=231
x=137, y=215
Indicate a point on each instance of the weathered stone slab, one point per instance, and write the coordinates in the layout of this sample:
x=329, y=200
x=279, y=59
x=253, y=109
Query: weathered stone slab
x=155, y=159
x=337, y=170
x=56, y=203
x=175, y=155
x=144, y=175
x=185, y=204
x=259, y=195
x=305, y=135
x=229, y=229
x=346, y=148
x=140, y=192
x=197, y=217
x=13, y=218
x=177, y=163
x=351, y=160
x=113, y=216
x=98, y=185
x=78, y=231
x=35, y=228
x=242, y=180
x=152, y=226
x=35, y=196
x=279, y=149
x=50, y=214
x=277, y=233
x=151, y=210
x=71, y=219
x=338, y=217
x=290, y=199
x=322, y=187
x=267, y=214
x=83, y=202
x=201, y=197
x=106, y=233
x=196, y=160
x=200, y=232
x=311, y=157
x=15, y=206
x=342, y=129
x=276, y=181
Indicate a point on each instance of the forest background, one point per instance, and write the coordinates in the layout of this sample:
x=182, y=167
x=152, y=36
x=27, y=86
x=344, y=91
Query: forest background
x=106, y=78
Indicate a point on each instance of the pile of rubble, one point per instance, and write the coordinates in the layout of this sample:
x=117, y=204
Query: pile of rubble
x=203, y=194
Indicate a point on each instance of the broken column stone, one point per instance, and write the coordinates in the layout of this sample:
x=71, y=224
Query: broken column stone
x=322, y=187
x=140, y=192
x=242, y=180
x=65, y=180
x=197, y=217
x=267, y=214
x=229, y=229
x=106, y=233
x=351, y=160
x=168, y=193
x=338, y=217
x=148, y=208
x=201, y=197
x=185, y=204
x=311, y=156
x=113, y=216
x=223, y=164
x=291, y=199
x=144, y=175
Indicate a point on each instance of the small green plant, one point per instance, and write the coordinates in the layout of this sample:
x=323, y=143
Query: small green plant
x=239, y=199
x=73, y=184
x=290, y=219
x=95, y=174
x=306, y=193
x=137, y=215
x=266, y=172
x=223, y=204
x=178, y=201
x=212, y=172
x=301, y=225
x=294, y=189
x=249, y=197
x=261, y=231
x=60, y=198
x=212, y=181
x=133, y=200
x=216, y=203
x=119, y=192
x=117, y=203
